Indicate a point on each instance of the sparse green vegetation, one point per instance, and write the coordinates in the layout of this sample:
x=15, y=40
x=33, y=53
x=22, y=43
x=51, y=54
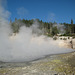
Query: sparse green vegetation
x=55, y=38
x=64, y=38
x=73, y=37
x=68, y=37
x=60, y=38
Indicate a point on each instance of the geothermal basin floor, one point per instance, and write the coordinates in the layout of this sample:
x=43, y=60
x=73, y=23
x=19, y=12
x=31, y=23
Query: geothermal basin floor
x=61, y=64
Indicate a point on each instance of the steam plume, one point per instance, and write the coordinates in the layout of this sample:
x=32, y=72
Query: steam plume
x=25, y=46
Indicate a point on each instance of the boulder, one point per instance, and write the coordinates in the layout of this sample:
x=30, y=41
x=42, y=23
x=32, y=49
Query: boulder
x=73, y=43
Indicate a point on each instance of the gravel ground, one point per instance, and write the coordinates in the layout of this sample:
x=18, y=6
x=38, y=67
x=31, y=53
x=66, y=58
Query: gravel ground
x=61, y=64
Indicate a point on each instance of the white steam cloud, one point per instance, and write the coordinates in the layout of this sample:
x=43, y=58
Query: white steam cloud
x=25, y=46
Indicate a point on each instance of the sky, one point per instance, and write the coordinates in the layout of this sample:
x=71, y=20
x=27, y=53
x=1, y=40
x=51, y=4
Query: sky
x=59, y=11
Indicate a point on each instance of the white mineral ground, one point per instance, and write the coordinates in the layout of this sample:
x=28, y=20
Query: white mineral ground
x=61, y=64
x=67, y=44
x=60, y=43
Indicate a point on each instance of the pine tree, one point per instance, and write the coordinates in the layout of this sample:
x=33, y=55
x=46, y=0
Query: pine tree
x=71, y=21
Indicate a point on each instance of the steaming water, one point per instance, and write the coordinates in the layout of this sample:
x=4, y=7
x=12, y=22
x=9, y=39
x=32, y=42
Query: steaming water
x=25, y=46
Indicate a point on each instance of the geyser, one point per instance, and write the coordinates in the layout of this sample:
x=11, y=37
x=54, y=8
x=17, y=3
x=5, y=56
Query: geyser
x=24, y=46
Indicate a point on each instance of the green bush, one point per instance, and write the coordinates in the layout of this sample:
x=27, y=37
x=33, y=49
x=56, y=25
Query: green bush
x=64, y=38
x=73, y=37
x=60, y=38
x=55, y=38
x=68, y=37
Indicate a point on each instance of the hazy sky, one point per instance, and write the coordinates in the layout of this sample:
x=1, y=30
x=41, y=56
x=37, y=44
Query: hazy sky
x=47, y=10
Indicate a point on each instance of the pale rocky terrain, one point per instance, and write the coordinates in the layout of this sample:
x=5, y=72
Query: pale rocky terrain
x=61, y=64
x=66, y=42
x=73, y=42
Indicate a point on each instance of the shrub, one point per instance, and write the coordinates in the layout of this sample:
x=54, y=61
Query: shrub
x=64, y=38
x=55, y=38
x=60, y=38
x=73, y=37
x=68, y=37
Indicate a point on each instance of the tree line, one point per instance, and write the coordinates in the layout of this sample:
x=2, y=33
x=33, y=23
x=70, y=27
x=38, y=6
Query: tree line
x=50, y=29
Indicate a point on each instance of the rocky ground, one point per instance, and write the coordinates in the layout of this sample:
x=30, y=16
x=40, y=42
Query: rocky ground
x=61, y=64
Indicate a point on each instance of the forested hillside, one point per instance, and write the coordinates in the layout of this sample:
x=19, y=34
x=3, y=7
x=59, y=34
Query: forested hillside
x=49, y=28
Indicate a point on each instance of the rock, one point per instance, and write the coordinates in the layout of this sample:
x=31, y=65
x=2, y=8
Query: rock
x=64, y=43
x=73, y=43
x=55, y=74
